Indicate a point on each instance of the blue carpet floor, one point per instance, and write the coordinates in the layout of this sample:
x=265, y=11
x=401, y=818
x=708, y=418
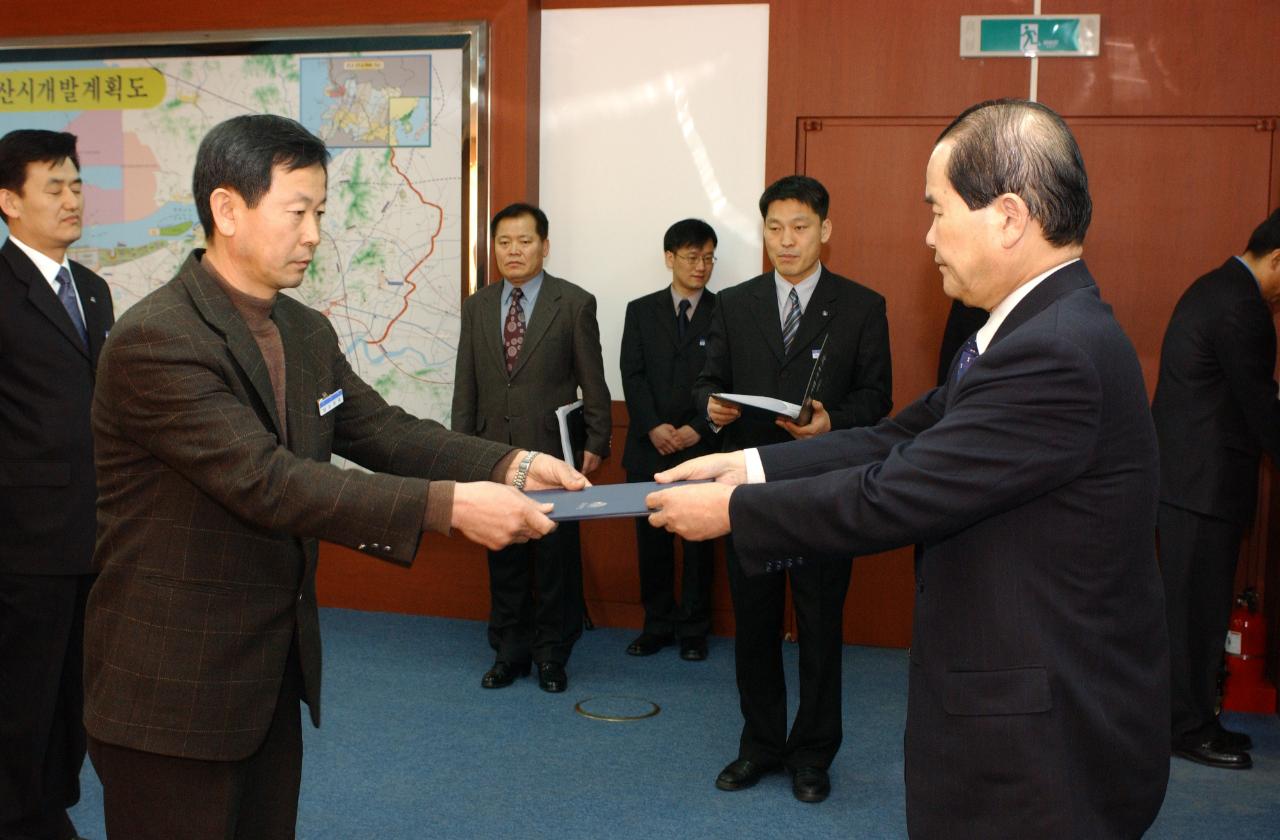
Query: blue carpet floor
x=412, y=747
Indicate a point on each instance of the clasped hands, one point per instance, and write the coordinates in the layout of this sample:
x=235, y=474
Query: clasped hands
x=497, y=515
x=698, y=511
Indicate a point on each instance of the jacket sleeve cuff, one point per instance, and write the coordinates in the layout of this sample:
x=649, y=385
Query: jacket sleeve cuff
x=439, y=512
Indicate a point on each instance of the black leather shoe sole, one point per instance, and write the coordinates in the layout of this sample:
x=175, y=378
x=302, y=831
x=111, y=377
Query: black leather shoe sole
x=503, y=674
x=1215, y=756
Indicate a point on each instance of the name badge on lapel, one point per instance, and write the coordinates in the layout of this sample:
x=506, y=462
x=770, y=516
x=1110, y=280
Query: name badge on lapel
x=702, y=342
x=816, y=352
x=329, y=402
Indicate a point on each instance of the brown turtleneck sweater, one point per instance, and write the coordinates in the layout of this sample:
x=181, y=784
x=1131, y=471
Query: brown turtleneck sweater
x=256, y=313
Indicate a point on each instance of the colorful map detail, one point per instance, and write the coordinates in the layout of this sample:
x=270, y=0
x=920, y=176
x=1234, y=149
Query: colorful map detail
x=367, y=102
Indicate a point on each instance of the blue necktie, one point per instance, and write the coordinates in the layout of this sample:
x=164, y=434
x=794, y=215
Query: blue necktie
x=682, y=319
x=67, y=297
x=968, y=353
x=791, y=323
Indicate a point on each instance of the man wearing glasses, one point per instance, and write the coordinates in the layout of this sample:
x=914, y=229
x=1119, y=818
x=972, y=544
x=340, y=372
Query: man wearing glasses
x=664, y=345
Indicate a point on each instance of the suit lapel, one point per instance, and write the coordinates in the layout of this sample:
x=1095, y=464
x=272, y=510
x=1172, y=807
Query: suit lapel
x=299, y=383
x=1073, y=277
x=491, y=315
x=701, y=319
x=819, y=312
x=544, y=313
x=41, y=294
x=216, y=308
x=95, y=311
x=665, y=317
x=764, y=306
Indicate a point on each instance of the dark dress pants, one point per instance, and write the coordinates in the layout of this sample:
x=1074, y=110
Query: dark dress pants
x=42, y=742
x=147, y=796
x=1198, y=556
x=535, y=598
x=818, y=592
x=656, y=548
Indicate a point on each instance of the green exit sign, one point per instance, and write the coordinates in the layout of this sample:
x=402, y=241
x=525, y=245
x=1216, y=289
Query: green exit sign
x=983, y=36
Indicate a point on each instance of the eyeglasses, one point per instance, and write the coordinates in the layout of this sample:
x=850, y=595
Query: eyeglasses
x=693, y=259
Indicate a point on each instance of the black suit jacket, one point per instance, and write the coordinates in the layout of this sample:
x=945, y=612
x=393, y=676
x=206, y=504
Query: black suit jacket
x=745, y=355
x=208, y=527
x=561, y=352
x=658, y=372
x=47, y=486
x=1215, y=406
x=1038, y=700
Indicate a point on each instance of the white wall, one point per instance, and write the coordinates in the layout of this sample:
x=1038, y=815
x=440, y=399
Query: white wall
x=650, y=115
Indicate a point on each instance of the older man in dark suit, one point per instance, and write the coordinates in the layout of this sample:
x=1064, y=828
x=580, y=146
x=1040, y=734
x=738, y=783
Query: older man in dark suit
x=664, y=345
x=54, y=316
x=527, y=345
x=219, y=403
x=1037, y=698
x=1215, y=411
x=765, y=340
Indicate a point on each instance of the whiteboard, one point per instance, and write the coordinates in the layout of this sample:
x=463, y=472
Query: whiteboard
x=648, y=116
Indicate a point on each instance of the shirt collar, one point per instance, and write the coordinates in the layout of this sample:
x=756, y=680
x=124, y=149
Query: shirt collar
x=47, y=267
x=1004, y=307
x=693, y=299
x=1247, y=268
x=529, y=287
x=804, y=289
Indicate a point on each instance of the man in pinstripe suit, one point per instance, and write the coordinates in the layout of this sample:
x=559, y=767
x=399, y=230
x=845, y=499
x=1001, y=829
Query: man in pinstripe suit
x=219, y=403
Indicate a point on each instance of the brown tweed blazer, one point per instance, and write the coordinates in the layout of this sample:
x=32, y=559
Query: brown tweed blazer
x=208, y=527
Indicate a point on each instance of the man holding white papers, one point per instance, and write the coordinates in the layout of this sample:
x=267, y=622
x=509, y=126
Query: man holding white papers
x=664, y=346
x=527, y=345
x=765, y=337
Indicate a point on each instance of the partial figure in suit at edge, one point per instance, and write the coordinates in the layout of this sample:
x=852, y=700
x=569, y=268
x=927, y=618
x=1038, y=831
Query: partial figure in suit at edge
x=1216, y=411
x=1037, y=699
x=664, y=345
x=218, y=406
x=766, y=337
x=54, y=317
x=527, y=345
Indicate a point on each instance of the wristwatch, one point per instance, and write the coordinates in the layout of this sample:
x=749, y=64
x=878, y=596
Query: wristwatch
x=522, y=470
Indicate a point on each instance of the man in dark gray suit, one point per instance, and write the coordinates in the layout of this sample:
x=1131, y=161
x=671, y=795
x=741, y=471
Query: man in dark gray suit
x=1216, y=411
x=527, y=345
x=54, y=316
x=218, y=406
x=1037, y=703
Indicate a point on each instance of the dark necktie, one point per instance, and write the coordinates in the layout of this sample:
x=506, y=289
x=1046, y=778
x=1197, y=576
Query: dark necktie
x=513, y=330
x=682, y=319
x=968, y=353
x=67, y=297
x=791, y=323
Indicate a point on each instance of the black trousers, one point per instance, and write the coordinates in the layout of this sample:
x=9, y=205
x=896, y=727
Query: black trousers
x=535, y=598
x=42, y=742
x=818, y=592
x=1198, y=556
x=146, y=796
x=656, y=547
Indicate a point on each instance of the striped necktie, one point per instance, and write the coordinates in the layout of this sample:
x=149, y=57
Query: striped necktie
x=67, y=297
x=791, y=323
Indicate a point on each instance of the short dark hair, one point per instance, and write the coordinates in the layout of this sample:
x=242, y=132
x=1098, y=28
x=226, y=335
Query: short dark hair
x=1021, y=147
x=689, y=233
x=808, y=191
x=241, y=153
x=515, y=211
x=25, y=146
x=1266, y=236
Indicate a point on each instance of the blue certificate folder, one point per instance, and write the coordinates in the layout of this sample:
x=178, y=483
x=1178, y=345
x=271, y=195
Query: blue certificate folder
x=602, y=501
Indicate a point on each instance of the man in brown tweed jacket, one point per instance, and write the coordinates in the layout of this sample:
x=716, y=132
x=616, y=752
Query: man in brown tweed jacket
x=218, y=405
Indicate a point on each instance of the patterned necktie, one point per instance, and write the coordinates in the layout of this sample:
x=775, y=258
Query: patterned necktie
x=682, y=319
x=67, y=297
x=513, y=330
x=791, y=323
x=968, y=353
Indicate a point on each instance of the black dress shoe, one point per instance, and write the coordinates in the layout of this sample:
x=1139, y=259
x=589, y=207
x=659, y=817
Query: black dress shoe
x=551, y=677
x=742, y=773
x=503, y=674
x=1213, y=752
x=1237, y=741
x=647, y=644
x=693, y=649
x=810, y=784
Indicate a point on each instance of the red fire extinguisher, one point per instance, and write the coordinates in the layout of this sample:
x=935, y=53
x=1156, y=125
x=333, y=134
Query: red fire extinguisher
x=1246, y=688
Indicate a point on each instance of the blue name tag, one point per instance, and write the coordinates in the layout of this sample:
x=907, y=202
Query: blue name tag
x=330, y=402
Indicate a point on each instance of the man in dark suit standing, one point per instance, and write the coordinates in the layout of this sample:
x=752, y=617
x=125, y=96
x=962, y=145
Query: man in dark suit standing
x=664, y=345
x=1215, y=411
x=527, y=345
x=54, y=316
x=765, y=340
x=1037, y=698
x=218, y=406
